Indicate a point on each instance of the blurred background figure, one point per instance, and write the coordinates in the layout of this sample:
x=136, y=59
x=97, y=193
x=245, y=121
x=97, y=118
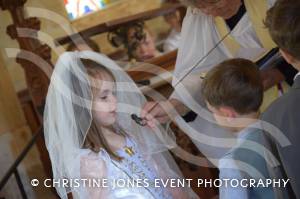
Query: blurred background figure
x=142, y=43
x=137, y=39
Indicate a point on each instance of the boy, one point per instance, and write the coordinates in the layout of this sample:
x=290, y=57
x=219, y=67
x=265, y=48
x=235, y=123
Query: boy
x=283, y=22
x=233, y=92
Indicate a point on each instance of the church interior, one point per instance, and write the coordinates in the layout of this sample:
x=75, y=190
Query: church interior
x=144, y=38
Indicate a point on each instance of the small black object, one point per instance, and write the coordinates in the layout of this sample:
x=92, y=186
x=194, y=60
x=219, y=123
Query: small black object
x=145, y=82
x=138, y=120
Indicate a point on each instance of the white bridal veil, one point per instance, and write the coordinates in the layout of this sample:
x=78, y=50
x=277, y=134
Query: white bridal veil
x=67, y=118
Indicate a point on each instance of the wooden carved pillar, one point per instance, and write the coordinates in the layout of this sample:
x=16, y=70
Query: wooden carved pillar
x=31, y=51
x=37, y=80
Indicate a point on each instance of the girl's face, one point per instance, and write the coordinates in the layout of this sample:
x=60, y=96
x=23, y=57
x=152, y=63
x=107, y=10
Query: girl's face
x=105, y=102
x=221, y=8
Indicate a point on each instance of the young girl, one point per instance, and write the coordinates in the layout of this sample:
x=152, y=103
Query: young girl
x=93, y=144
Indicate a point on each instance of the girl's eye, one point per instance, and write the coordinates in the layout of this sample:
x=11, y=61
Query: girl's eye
x=103, y=98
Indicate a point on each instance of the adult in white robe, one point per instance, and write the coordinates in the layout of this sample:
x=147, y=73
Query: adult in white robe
x=199, y=36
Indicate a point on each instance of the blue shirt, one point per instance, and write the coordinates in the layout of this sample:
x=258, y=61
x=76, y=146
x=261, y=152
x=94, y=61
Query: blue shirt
x=248, y=160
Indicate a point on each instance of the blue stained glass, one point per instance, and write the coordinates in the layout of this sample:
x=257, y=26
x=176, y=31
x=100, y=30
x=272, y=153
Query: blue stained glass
x=87, y=9
x=70, y=15
x=78, y=8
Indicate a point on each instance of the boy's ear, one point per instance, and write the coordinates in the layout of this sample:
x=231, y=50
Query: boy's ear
x=289, y=58
x=228, y=112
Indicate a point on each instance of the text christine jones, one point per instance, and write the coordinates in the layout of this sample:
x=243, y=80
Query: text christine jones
x=158, y=182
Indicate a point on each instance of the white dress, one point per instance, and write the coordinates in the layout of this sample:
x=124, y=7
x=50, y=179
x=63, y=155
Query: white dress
x=133, y=166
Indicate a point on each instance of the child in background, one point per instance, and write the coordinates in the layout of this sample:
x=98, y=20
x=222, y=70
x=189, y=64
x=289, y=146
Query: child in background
x=141, y=43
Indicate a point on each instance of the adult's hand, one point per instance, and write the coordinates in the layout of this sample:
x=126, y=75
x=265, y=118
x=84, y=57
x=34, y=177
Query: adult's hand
x=271, y=77
x=162, y=111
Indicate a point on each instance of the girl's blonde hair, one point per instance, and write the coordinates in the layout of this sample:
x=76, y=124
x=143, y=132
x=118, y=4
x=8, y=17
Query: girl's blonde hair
x=95, y=139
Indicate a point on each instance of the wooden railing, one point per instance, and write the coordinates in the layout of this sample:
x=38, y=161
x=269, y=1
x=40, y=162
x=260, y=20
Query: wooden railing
x=115, y=24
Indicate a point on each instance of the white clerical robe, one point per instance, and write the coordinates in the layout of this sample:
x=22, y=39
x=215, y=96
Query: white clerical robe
x=199, y=35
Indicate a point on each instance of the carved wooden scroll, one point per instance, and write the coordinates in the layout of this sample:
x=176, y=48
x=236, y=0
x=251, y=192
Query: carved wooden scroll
x=31, y=51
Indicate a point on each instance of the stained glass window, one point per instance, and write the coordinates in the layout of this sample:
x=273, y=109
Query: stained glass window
x=78, y=8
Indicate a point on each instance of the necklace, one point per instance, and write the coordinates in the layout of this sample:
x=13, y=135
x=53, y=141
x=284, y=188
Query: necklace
x=129, y=150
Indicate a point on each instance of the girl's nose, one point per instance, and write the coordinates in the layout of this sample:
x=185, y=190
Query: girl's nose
x=113, y=102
